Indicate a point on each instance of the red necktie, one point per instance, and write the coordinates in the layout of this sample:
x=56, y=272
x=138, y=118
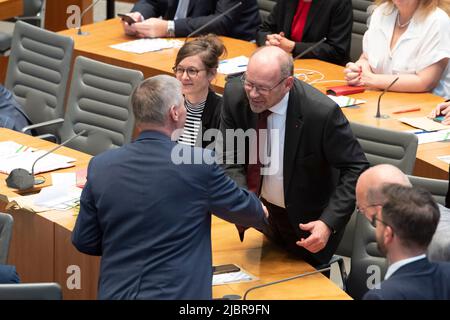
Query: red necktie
x=254, y=170
x=298, y=24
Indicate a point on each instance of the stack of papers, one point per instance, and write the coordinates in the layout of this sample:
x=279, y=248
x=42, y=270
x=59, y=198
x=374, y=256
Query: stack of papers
x=58, y=197
x=232, y=277
x=233, y=66
x=344, y=101
x=147, y=45
x=433, y=136
x=424, y=123
x=9, y=148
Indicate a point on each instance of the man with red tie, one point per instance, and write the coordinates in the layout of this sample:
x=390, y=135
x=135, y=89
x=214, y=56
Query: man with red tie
x=310, y=159
x=296, y=25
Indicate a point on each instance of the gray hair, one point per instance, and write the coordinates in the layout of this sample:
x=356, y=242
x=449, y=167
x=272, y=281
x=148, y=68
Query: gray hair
x=153, y=97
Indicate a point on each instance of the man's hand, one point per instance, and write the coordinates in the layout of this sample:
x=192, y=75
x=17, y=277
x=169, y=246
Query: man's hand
x=266, y=212
x=130, y=30
x=317, y=240
x=279, y=40
x=151, y=28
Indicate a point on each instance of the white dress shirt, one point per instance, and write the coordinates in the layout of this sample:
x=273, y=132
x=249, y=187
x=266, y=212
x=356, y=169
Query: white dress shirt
x=424, y=43
x=395, y=266
x=272, y=185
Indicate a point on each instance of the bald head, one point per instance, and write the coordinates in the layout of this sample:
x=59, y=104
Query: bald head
x=272, y=59
x=371, y=181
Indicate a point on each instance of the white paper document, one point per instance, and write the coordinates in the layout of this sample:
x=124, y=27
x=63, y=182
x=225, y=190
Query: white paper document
x=232, y=277
x=58, y=197
x=433, y=136
x=147, y=45
x=345, y=101
x=25, y=161
x=64, y=179
x=233, y=65
x=9, y=148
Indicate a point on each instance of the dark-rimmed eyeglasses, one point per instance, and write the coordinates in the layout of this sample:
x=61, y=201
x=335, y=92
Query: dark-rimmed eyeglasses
x=249, y=86
x=191, y=72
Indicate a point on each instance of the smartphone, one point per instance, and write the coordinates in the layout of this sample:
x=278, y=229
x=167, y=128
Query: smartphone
x=126, y=18
x=225, y=268
x=439, y=119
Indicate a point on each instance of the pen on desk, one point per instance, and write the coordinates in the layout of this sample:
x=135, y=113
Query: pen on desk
x=406, y=110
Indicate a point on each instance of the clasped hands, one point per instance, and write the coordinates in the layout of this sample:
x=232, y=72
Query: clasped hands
x=150, y=28
x=279, y=40
x=359, y=74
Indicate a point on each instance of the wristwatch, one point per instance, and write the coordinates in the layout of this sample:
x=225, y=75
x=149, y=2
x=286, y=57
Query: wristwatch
x=170, y=28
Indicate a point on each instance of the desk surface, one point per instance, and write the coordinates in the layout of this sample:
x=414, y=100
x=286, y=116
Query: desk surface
x=10, y=8
x=42, y=251
x=320, y=74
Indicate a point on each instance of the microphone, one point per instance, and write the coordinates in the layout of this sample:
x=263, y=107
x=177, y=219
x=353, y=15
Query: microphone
x=285, y=280
x=21, y=179
x=213, y=20
x=378, y=115
x=301, y=54
x=81, y=33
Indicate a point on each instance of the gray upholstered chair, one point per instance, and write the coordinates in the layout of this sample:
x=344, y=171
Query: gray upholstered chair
x=360, y=16
x=38, y=70
x=6, y=228
x=99, y=102
x=387, y=146
x=265, y=7
x=31, y=291
x=438, y=188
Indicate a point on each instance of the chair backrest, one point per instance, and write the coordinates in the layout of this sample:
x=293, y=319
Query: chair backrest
x=99, y=102
x=387, y=146
x=31, y=291
x=38, y=69
x=345, y=247
x=265, y=7
x=6, y=228
x=368, y=265
x=360, y=16
x=438, y=188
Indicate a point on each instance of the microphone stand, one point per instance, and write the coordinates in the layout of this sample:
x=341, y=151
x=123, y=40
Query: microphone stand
x=301, y=54
x=384, y=116
x=81, y=33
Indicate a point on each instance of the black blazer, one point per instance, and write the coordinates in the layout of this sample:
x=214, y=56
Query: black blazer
x=322, y=158
x=326, y=18
x=241, y=23
x=418, y=280
x=210, y=116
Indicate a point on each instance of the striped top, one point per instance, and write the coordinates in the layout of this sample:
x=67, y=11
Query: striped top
x=193, y=122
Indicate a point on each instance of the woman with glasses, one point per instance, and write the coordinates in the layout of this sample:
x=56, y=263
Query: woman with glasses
x=408, y=40
x=196, y=67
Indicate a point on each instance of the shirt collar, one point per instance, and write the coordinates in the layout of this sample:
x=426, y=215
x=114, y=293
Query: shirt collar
x=387, y=27
x=281, y=107
x=397, y=265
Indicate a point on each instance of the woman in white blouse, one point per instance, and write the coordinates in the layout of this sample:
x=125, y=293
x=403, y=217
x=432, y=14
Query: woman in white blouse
x=408, y=39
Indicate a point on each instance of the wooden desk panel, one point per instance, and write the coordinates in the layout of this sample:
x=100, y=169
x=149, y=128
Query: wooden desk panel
x=10, y=9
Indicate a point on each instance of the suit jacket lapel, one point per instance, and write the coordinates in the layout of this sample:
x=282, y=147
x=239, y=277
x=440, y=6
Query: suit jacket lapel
x=172, y=6
x=314, y=10
x=291, y=8
x=294, y=128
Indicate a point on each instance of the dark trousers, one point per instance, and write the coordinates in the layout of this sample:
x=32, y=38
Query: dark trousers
x=281, y=231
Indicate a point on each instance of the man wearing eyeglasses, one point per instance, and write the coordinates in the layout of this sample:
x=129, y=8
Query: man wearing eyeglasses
x=311, y=158
x=405, y=221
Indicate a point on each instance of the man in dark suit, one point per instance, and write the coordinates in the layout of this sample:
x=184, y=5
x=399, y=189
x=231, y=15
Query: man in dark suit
x=405, y=221
x=296, y=25
x=182, y=17
x=315, y=156
x=148, y=213
x=8, y=274
x=11, y=114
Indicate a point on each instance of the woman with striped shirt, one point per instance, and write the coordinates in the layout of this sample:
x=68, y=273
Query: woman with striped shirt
x=195, y=67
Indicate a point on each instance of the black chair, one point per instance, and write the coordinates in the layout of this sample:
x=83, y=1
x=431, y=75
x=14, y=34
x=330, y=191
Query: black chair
x=31, y=291
x=360, y=16
x=265, y=7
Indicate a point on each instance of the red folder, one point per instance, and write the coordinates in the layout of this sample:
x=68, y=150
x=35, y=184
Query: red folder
x=344, y=90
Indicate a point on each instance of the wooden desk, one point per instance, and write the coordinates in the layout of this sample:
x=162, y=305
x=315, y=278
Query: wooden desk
x=10, y=8
x=56, y=13
x=41, y=249
x=106, y=33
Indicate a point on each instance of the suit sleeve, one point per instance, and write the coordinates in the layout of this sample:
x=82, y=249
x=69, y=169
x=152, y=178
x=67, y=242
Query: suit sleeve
x=87, y=234
x=372, y=295
x=149, y=8
x=268, y=26
x=232, y=203
x=345, y=154
x=234, y=169
x=336, y=48
x=222, y=26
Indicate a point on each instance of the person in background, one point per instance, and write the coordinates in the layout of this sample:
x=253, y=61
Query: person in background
x=196, y=67
x=148, y=215
x=8, y=274
x=296, y=25
x=11, y=114
x=409, y=40
x=182, y=17
x=442, y=109
x=405, y=220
